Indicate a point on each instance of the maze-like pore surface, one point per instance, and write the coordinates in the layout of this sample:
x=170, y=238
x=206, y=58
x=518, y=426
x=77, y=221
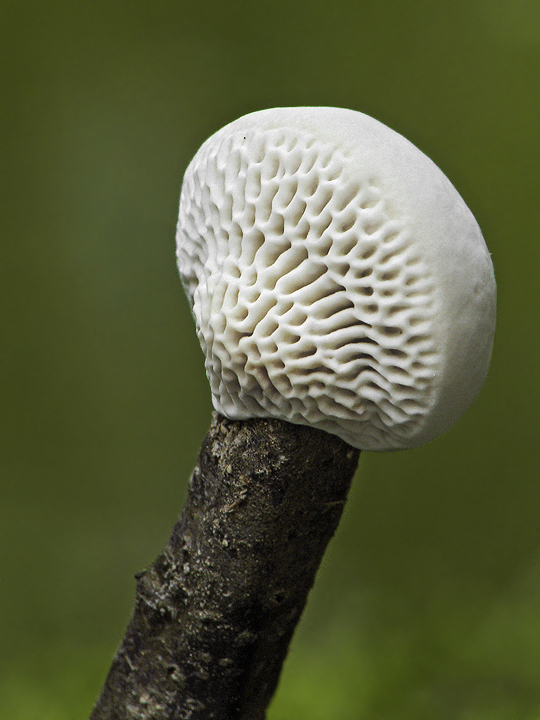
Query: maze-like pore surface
x=310, y=299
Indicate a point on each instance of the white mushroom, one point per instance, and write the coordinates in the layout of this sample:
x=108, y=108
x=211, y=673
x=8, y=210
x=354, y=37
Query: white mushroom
x=336, y=277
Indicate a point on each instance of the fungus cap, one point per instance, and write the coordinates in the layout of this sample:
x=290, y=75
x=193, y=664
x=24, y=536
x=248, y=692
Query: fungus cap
x=336, y=277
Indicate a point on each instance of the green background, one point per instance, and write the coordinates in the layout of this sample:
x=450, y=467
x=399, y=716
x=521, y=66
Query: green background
x=428, y=602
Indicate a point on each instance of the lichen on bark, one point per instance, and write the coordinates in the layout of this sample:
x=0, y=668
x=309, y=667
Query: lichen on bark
x=215, y=613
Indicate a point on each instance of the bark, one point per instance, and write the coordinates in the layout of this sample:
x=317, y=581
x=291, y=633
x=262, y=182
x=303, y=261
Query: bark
x=215, y=613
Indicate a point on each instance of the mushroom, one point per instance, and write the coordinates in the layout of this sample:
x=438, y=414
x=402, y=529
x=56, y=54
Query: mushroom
x=344, y=299
x=336, y=277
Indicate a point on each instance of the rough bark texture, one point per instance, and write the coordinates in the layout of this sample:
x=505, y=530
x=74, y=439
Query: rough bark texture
x=215, y=613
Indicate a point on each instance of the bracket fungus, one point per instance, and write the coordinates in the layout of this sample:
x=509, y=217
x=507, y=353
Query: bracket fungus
x=344, y=299
x=336, y=277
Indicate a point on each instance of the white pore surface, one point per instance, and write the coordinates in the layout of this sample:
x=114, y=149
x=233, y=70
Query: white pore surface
x=336, y=277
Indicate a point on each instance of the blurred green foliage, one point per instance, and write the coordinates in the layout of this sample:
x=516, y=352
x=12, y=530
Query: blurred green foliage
x=428, y=603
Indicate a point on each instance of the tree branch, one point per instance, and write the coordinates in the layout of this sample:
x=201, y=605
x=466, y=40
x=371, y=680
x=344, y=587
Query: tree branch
x=215, y=613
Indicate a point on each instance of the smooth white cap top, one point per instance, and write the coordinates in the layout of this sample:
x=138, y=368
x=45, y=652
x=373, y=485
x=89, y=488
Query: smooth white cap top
x=336, y=277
